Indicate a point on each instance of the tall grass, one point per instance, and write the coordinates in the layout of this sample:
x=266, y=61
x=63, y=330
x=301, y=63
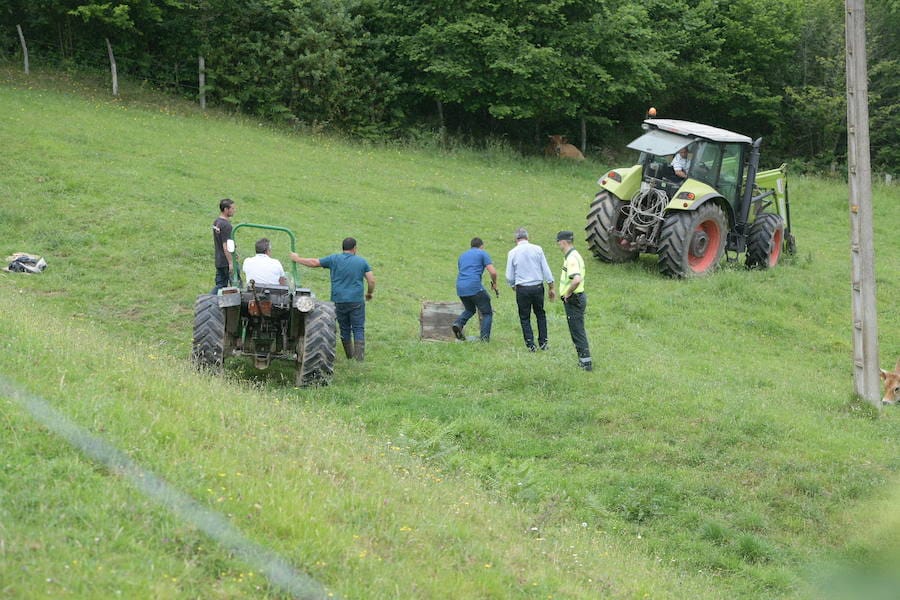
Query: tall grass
x=716, y=447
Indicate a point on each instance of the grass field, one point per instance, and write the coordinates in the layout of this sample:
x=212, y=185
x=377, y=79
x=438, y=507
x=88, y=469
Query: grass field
x=715, y=452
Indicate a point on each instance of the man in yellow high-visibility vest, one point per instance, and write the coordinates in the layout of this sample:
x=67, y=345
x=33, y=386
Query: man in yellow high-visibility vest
x=571, y=292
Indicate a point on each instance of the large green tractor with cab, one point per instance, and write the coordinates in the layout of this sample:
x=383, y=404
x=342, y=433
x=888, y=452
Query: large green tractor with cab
x=719, y=204
x=266, y=323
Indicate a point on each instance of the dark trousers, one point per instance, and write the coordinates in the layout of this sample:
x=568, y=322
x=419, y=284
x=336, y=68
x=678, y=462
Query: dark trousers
x=351, y=318
x=575, y=306
x=531, y=298
x=480, y=302
x=221, y=279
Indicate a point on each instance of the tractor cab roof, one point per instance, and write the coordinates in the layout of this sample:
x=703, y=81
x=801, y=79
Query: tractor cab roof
x=668, y=136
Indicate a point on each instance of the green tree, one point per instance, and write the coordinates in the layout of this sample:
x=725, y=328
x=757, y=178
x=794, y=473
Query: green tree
x=884, y=87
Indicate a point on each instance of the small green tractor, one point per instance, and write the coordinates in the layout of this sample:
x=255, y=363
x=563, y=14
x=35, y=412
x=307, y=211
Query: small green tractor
x=265, y=323
x=723, y=204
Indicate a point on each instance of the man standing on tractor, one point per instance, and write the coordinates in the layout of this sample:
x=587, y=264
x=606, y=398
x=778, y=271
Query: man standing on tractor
x=526, y=272
x=262, y=269
x=347, y=273
x=221, y=230
x=571, y=292
x=472, y=263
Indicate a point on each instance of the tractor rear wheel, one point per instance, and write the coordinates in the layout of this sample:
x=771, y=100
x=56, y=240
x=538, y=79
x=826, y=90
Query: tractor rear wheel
x=691, y=243
x=315, y=351
x=765, y=241
x=208, y=349
x=604, y=216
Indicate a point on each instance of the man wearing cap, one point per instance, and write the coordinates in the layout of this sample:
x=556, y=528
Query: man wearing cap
x=472, y=263
x=526, y=272
x=571, y=292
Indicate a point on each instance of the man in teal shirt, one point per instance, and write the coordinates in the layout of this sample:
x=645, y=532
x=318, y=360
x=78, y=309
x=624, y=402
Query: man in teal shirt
x=347, y=273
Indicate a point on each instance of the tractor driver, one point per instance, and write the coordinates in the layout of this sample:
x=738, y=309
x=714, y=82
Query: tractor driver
x=262, y=268
x=681, y=163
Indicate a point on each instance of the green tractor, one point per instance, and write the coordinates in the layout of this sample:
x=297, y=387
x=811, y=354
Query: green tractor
x=266, y=323
x=721, y=203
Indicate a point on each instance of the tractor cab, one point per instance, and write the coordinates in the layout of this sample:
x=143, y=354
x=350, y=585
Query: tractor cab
x=716, y=157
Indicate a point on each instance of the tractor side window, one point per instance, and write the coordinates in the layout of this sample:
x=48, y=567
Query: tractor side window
x=706, y=162
x=731, y=170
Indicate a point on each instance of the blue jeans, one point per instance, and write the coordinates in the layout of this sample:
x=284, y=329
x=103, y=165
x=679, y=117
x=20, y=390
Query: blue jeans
x=222, y=274
x=351, y=318
x=480, y=302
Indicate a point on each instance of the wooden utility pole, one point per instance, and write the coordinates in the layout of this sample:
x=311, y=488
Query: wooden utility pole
x=24, y=47
x=862, y=246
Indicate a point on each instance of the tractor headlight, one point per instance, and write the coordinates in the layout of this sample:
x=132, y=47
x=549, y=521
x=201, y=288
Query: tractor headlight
x=304, y=303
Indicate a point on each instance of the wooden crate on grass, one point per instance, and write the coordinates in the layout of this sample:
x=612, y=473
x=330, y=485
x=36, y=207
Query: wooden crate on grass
x=436, y=320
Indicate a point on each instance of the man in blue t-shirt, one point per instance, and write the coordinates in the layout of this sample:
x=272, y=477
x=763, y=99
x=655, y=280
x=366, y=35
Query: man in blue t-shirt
x=472, y=263
x=347, y=273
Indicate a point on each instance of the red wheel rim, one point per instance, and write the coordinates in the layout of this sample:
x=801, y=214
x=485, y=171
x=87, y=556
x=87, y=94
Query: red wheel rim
x=777, y=243
x=702, y=260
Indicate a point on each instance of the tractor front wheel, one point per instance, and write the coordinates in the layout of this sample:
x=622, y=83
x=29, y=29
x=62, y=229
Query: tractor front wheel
x=208, y=349
x=315, y=350
x=603, y=218
x=691, y=243
x=765, y=241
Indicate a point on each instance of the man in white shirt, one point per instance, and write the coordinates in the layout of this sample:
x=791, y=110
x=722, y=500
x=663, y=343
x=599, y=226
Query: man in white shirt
x=681, y=163
x=262, y=268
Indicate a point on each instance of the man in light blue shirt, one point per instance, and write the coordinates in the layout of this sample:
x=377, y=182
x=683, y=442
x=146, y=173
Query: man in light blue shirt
x=526, y=272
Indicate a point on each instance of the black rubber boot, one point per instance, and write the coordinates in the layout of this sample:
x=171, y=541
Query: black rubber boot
x=360, y=348
x=348, y=348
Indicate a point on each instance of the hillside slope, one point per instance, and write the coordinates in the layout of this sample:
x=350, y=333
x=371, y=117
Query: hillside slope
x=714, y=448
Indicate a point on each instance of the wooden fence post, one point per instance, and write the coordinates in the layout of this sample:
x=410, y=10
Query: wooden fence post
x=24, y=48
x=112, y=68
x=202, y=68
x=583, y=135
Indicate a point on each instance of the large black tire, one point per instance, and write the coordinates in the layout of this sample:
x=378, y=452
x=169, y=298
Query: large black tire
x=208, y=350
x=315, y=351
x=691, y=243
x=604, y=216
x=765, y=241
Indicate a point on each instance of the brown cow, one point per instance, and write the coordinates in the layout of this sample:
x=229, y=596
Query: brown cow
x=891, y=385
x=560, y=148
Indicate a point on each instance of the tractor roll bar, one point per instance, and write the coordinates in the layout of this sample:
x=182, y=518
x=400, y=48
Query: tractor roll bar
x=294, y=272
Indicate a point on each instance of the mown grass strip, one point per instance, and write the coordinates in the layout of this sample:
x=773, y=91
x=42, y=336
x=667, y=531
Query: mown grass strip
x=276, y=569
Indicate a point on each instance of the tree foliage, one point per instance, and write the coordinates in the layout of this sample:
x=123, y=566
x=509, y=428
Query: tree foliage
x=518, y=68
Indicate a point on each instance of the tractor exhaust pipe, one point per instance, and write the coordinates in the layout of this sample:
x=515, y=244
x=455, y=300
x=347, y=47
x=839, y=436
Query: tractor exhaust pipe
x=752, y=170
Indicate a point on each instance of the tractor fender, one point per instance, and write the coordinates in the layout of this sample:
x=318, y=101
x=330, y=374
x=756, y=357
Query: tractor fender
x=622, y=183
x=682, y=202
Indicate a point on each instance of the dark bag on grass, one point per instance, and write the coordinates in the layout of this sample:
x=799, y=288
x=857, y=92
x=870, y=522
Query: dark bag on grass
x=25, y=263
